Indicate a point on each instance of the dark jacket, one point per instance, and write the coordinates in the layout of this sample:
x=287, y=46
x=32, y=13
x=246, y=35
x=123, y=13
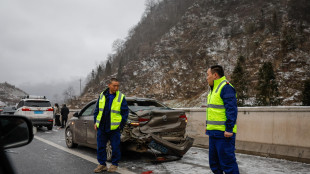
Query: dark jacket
x=64, y=112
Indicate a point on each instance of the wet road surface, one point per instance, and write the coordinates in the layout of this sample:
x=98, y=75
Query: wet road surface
x=48, y=154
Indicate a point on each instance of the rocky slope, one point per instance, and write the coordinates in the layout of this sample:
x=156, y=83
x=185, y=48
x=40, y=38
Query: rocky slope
x=216, y=32
x=10, y=95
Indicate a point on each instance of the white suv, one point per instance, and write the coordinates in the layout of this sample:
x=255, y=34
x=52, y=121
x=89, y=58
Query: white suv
x=38, y=109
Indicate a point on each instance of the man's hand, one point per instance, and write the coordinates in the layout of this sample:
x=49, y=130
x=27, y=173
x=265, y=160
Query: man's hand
x=228, y=134
x=95, y=126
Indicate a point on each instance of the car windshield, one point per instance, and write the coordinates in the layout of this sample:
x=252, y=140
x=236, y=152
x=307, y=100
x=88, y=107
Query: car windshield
x=145, y=105
x=37, y=104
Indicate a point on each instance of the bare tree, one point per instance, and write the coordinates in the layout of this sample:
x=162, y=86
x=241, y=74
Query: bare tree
x=68, y=94
x=118, y=45
x=56, y=98
x=150, y=4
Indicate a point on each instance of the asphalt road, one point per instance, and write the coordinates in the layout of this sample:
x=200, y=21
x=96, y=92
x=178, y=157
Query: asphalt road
x=48, y=154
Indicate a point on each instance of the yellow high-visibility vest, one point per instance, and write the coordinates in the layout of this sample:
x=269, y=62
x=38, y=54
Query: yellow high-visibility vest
x=115, y=115
x=216, y=112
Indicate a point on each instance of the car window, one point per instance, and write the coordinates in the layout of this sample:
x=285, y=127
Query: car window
x=89, y=110
x=37, y=103
x=20, y=104
x=145, y=105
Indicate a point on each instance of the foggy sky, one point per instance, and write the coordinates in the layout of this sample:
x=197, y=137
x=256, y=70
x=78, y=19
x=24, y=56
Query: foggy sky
x=53, y=43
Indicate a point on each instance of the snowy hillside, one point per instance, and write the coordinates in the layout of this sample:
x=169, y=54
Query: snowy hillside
x=170, y=62
x=9, y=94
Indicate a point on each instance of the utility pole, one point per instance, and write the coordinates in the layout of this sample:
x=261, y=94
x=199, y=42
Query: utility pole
x=80, y=86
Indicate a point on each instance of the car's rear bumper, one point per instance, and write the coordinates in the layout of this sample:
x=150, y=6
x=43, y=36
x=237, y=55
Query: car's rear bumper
x=42, y=122
x=167, y=147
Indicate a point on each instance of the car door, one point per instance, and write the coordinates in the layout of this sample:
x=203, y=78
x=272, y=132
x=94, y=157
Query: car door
x=81, y=123
x=91, y=133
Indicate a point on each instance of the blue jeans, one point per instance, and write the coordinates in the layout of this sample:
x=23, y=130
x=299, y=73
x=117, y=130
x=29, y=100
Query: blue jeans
x=222, y=153
x=115, y=140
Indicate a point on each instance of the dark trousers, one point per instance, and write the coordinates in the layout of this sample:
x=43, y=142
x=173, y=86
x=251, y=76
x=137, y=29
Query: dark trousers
x=222, y=154
x=57, y=120
x=102, y=139
x=64, y=120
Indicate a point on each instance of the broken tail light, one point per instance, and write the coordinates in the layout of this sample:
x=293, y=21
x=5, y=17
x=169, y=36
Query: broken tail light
x=183, y=117
x=141, y=121
x=26, y=109
x=50, y=109
x=135, y=123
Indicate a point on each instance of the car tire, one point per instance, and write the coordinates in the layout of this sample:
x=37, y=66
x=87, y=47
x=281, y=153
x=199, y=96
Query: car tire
x=109, y=151
x=50, y=127
x=69, y=139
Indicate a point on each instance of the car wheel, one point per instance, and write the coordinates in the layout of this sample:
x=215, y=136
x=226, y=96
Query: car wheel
x=69, y=139
x=50, y=127
x=109, y=151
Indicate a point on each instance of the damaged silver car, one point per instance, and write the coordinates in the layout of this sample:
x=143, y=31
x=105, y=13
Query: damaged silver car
x=150, y=125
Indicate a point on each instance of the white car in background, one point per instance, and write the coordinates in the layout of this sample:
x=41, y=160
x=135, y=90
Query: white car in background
x=38, y=109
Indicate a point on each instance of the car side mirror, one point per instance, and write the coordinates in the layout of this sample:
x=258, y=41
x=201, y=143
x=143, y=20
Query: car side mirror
x=15, y=131
x=76, y=114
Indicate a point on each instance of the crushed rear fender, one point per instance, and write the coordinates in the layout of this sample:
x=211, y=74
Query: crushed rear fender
x=167, y=147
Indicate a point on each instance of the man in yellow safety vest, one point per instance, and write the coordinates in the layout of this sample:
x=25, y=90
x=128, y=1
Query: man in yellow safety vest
x=221, y=119
x=110, y=116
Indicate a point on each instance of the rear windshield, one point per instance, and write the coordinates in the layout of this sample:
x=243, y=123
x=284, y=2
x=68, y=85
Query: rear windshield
x=8, y=109
x=145, y=105
x=37, y=104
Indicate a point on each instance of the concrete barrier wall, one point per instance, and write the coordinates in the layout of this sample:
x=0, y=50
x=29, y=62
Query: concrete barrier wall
x=281, y=132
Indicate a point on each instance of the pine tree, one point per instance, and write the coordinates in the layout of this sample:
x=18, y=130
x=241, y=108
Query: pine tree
x=306, y=94
x=108, y=68
x=267, y=86
x=239, y=81
x=275, y=22
x=120, y=69
x=92, y=74
x=99, y=73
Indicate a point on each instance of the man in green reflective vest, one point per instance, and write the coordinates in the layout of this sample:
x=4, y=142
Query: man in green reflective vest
x=221, y=127
x=110, y=116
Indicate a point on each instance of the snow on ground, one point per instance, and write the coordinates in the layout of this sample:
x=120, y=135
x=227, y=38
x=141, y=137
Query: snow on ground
x=196, y=161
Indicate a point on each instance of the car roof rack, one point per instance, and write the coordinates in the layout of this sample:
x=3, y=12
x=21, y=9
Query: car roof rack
x=34, y=97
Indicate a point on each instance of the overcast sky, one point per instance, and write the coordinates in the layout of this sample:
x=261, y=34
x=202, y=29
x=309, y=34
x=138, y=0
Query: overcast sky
x=53, y=42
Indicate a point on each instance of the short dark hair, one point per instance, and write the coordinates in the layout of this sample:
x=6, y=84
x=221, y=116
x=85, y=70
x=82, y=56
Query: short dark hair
x=113, y=80
x=217, y=69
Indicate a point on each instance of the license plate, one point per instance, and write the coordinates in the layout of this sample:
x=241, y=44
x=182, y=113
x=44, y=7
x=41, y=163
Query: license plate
x=158, y=147
x=38, y=112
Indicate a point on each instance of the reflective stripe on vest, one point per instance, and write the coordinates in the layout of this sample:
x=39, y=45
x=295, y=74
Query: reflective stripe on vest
x=117, y=112
x=115, y=115
x=216, y=122
x=216, y=106
x=216, y=112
